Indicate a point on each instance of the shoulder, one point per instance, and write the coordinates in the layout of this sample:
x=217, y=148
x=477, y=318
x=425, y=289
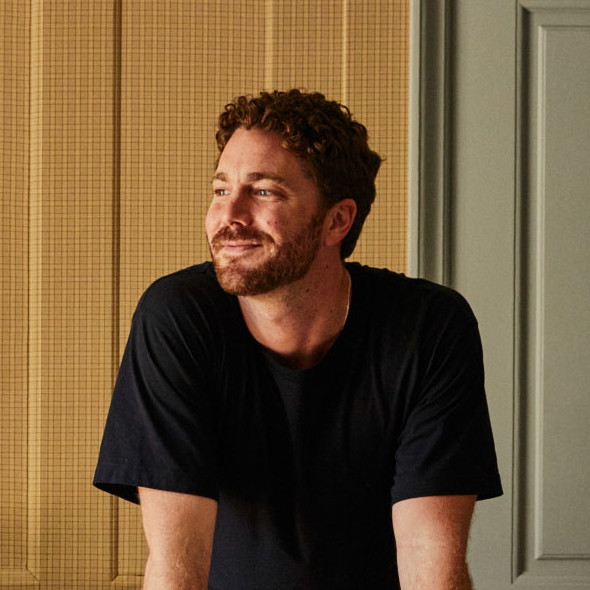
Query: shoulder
x=189, y=301
x=189, y=287
x=415, y=298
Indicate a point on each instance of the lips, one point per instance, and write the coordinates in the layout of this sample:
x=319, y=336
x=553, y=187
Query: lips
x=236, y=246
x=232, y=240
x=233, y=248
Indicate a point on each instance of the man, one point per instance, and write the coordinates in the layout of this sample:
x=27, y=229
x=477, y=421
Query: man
x=288, y=420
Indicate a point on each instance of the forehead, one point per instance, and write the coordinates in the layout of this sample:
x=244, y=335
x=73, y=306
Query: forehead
x=253, y=150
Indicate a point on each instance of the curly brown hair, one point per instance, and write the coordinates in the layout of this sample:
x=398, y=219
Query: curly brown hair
x=332, y=147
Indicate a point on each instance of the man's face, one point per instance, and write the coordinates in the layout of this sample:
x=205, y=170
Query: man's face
x=265, y=222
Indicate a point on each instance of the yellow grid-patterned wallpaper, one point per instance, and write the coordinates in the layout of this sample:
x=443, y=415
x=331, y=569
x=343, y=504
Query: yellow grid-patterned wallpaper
x=108, y=110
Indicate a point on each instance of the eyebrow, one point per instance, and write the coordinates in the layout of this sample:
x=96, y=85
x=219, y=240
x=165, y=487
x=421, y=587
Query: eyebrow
x=253, y=177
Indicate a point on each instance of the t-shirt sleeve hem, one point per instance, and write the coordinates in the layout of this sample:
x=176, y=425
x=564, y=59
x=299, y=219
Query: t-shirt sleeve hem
x=123, y=484
x=483, y=491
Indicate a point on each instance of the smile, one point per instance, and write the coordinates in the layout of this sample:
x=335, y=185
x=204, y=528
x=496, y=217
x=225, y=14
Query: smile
x=238, y=246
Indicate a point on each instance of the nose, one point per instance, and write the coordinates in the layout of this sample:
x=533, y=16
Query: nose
x=236, y=208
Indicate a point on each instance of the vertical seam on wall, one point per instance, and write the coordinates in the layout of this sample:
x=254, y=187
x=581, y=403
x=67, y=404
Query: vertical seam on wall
x=345, y=33
x=518, y=318
x=116, y=235
x=35, y=130
x=448, y=145
x=28, y=293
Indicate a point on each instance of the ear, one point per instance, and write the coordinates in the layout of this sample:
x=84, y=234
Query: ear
x=339, y=220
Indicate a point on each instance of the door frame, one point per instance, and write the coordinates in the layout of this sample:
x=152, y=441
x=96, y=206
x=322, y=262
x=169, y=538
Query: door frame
x=430, y=140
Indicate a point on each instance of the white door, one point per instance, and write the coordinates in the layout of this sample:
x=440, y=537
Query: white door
x=501, y=211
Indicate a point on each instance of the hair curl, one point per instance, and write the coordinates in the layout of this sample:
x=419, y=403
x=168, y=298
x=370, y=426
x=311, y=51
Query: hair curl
x=332, y=147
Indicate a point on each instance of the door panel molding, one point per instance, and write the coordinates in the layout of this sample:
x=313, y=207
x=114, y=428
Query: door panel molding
x=551, y=535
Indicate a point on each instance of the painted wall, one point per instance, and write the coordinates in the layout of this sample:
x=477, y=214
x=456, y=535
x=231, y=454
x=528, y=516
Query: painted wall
x=108, y=111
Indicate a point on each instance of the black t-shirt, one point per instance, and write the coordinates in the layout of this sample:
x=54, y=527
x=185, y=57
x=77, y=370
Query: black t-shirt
x=305, y=463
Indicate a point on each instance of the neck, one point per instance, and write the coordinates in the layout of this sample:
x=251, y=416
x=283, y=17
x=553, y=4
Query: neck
x=300, y=322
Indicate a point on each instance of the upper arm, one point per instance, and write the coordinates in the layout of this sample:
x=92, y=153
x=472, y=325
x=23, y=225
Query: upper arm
x=162, y=426
x=179, y=531
x=431, y=536
x=446, y=445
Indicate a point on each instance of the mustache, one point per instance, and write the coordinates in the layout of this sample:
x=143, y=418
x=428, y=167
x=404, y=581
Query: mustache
x=228, y=234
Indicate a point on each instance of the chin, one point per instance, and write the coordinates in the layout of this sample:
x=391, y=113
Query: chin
x=258, y=281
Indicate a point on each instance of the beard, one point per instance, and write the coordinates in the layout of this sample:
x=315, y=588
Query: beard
x=285, y=263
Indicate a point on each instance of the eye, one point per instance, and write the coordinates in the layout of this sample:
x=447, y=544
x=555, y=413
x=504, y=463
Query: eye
x=220, y=192
x=264, y=192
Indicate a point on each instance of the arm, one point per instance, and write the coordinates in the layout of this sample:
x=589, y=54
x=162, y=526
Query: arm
x=179, y=531
x=431, y=537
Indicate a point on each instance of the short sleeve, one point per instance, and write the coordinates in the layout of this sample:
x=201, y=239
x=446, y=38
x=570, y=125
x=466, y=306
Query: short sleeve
x=161, y=427
x=447, y=447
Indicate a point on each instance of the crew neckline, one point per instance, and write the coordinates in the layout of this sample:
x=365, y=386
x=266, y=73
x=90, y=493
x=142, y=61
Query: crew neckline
x=342, y=340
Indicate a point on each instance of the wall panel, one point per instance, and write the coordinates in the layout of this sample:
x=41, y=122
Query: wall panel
x=553, y=536
x=14, y=187
x=71, y=287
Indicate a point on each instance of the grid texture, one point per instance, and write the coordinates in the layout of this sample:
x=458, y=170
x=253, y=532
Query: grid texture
x=14, y=164
x=108, y=111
